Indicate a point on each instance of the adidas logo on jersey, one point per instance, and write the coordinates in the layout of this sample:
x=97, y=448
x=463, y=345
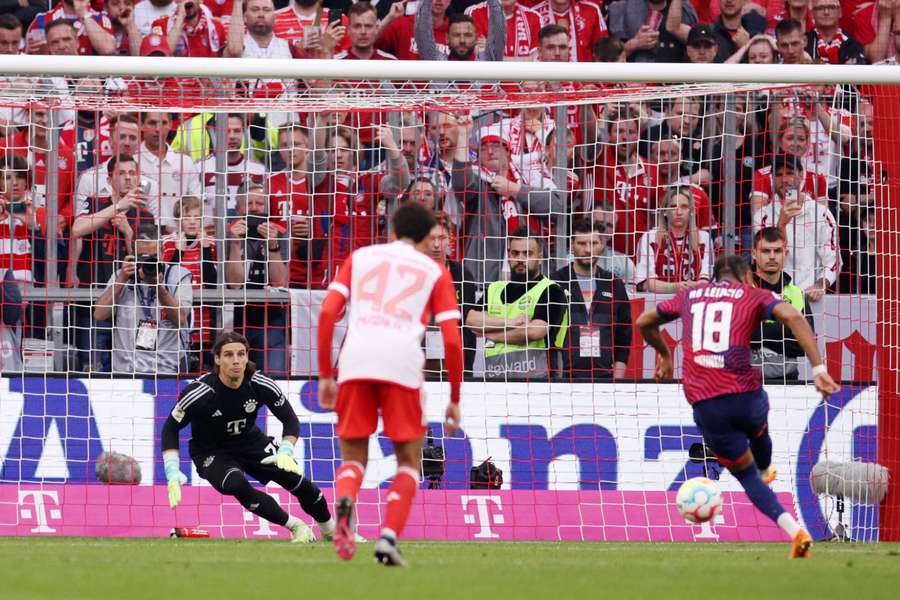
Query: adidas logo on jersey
x=250, y=405
x=208, y=460
x=218, y=413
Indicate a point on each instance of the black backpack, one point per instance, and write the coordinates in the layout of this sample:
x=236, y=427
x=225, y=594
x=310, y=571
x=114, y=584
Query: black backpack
x=486, y=476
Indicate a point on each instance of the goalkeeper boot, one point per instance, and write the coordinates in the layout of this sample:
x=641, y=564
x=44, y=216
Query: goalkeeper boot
x=387, y=554
x=801, y=545
x=768, y=475
x=300, y=532
x=344, y=533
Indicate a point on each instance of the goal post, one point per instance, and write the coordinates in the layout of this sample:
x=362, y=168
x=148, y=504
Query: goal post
x=584, y=456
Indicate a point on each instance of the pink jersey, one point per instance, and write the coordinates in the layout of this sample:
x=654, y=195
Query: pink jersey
x=392, y=290
x=718, y=322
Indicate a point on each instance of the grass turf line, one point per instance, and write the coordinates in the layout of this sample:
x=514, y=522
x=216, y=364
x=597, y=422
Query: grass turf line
x=160, y=569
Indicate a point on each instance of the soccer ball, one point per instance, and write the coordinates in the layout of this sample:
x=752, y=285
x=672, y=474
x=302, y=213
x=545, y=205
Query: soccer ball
x=699, y=500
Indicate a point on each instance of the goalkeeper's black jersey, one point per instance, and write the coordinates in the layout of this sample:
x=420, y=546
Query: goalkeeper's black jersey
x=222, y=417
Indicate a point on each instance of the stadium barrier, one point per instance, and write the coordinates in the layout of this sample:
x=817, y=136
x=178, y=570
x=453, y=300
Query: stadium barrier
x=580, y=462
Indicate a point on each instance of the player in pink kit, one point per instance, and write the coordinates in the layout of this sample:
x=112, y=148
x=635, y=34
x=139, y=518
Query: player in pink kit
x=731, y=408
x=393, y=290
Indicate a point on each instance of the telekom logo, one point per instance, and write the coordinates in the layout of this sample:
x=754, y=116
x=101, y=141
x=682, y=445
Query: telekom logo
x=40, y=510
x=483, y=515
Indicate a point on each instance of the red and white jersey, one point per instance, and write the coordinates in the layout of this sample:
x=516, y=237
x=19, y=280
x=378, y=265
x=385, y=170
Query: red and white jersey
x=392, y=291
x=399, y=38
x=814, y=184
x=238, y=173
x=291, y=26
x=205, y=39
x=522, y=28
x=38, y=26
x=589, y=26
x=15, y=247
x=674, y=259
x=630, y=187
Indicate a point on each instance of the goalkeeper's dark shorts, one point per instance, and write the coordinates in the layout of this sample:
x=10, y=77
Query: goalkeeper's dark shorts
x=214, y=465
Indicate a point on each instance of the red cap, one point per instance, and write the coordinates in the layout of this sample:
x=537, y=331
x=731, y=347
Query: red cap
x=154, y=43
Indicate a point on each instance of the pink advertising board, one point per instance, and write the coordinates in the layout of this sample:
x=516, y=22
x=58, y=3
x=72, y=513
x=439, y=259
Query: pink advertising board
x=142, y=511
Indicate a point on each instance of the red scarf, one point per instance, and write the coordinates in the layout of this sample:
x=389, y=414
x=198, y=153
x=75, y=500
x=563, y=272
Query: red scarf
x=521, y=43
x=676, y=261
x=204, y=26
x=574, y=19
x=509, y=208
x=828, y=51
x=517, y=135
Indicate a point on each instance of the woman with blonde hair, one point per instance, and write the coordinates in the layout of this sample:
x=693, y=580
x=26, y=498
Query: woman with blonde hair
x=676, y=254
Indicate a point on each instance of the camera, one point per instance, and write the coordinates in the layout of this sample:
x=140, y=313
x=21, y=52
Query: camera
x=148, y=265
x=432, y=463
x=253, y=222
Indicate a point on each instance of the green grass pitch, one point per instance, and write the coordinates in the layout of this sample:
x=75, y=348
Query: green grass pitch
x=170, y=569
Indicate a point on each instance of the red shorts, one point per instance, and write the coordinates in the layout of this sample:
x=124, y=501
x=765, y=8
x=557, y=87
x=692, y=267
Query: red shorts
x=360, y=401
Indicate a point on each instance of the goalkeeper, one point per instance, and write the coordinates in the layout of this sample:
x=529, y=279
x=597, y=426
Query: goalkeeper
x=221, y=407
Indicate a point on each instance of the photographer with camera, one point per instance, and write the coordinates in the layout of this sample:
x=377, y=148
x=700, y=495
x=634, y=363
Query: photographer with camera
x=256, y=259
x=150, y=306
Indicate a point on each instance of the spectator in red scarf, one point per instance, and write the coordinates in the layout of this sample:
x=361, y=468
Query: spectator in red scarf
x=194, y=31
x=496, y=198
x=676, y=254
x=827, y=42
x=583, y=20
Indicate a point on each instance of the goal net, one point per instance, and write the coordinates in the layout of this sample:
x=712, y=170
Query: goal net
x=239, y=197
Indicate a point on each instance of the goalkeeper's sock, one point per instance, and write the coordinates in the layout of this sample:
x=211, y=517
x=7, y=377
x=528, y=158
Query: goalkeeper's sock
x=761, y=447
x=348, y=479
x=311, y=499
x=261, y=504
x=400, y=498
x=760, y=494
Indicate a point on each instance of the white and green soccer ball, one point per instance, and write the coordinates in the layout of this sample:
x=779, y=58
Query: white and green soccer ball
x=699, y=500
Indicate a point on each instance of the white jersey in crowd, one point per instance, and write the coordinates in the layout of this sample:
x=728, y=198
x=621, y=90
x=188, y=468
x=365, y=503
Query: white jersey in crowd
x=812, y=241
x=392, y=290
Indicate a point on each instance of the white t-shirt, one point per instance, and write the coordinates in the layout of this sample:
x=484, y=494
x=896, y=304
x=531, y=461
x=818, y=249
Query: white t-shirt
x=392, y=290
x=145, y=12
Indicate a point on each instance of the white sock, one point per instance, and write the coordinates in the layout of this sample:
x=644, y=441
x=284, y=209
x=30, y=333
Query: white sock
x=292, y=522
x=328, y=527
x=789, y=524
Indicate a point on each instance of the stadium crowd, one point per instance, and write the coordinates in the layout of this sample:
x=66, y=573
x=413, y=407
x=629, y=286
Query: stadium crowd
x=546, y=246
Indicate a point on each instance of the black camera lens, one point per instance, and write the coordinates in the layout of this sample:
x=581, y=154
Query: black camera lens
x=148, y=264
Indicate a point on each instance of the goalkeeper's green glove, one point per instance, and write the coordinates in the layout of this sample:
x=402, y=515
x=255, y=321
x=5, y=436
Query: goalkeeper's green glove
x=284, y=458
x=175, y=478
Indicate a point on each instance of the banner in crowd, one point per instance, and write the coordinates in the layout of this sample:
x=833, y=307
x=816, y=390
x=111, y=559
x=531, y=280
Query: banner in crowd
x=845, y=328
x=579, y=461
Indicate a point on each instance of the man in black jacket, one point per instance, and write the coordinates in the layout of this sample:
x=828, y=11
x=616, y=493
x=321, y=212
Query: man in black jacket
x=599, y=337
x=775, y=350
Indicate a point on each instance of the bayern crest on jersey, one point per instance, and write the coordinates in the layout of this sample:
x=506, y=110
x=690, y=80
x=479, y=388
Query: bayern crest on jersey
x=250, y=405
